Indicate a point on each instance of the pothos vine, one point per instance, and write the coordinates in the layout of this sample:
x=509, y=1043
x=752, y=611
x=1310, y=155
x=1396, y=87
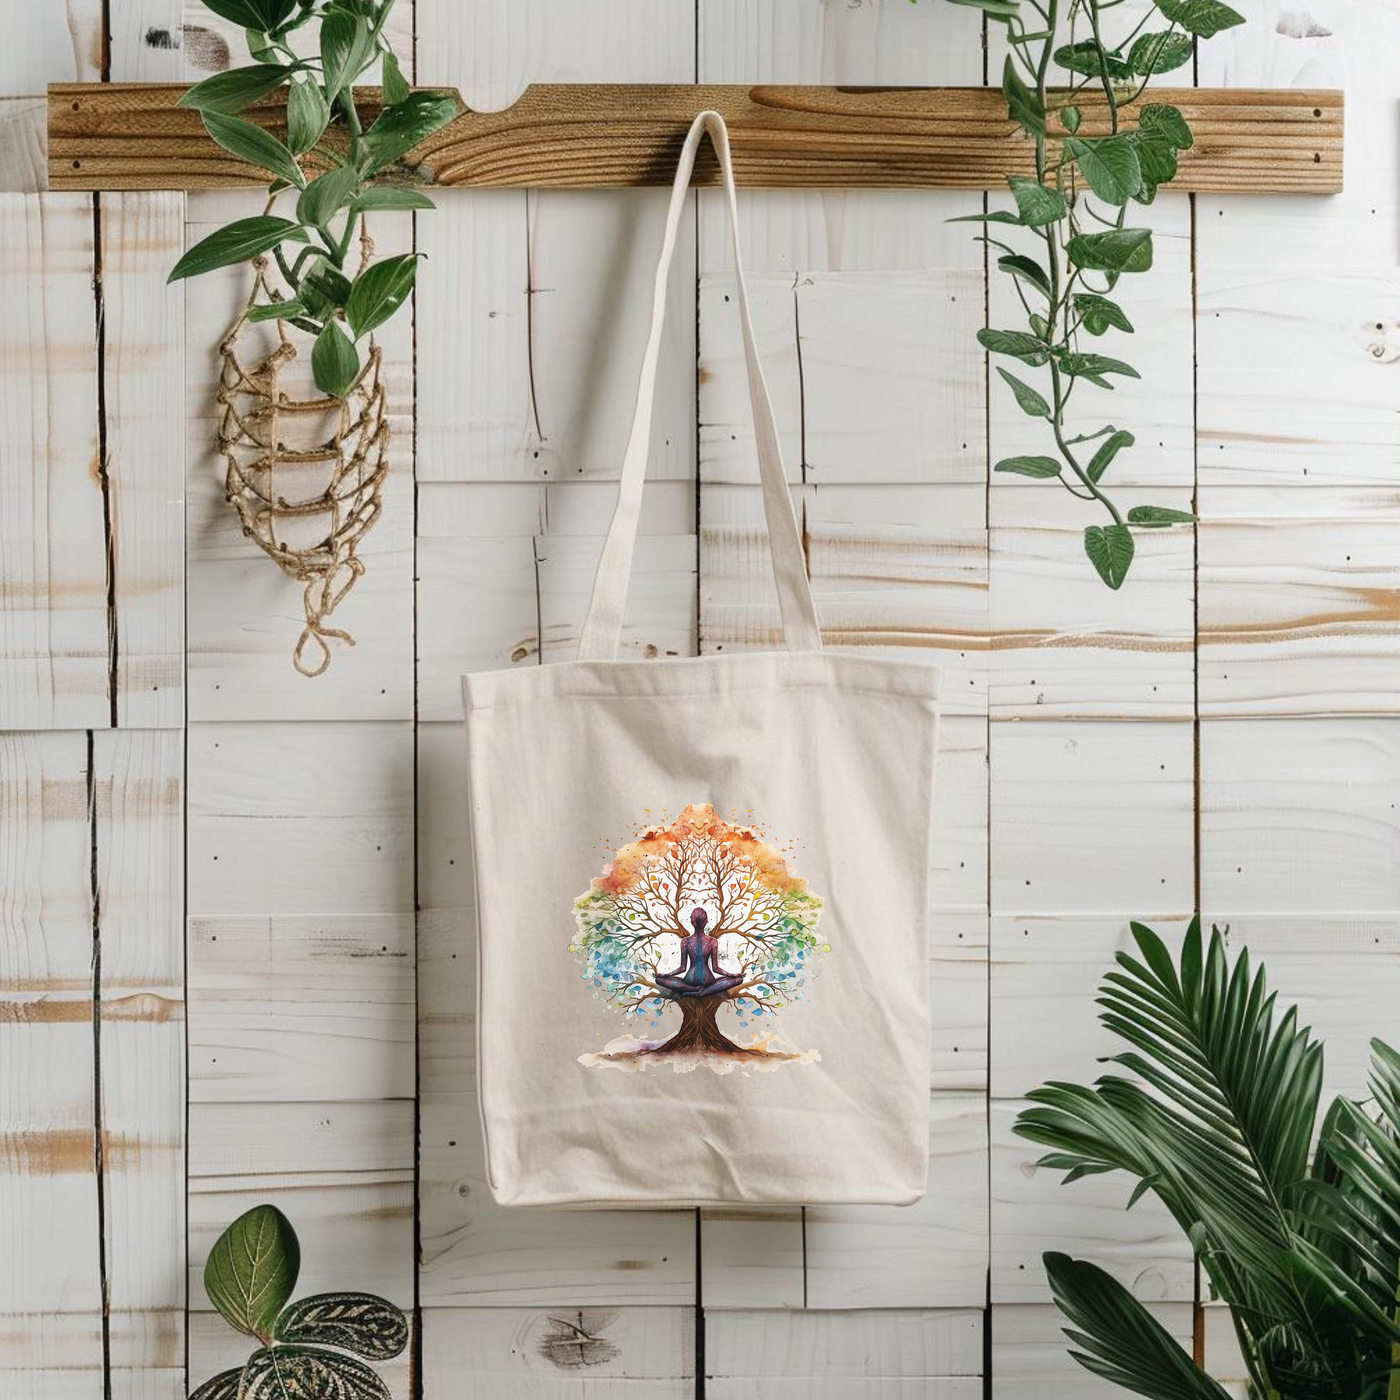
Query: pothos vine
x=1075, y=209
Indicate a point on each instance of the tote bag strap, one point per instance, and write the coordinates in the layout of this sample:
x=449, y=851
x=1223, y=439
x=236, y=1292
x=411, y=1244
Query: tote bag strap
x=603, y=627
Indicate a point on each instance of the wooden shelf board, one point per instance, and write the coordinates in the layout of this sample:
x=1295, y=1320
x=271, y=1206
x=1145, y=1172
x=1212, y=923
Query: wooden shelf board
x=128, y=136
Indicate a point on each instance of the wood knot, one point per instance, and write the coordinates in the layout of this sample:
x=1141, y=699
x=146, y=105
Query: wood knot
x=572, y=1340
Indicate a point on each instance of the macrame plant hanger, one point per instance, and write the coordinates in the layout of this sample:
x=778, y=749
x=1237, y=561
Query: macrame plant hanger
x=313, y=467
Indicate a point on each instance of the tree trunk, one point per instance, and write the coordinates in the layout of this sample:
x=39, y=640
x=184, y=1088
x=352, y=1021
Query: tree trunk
x=699, y=1031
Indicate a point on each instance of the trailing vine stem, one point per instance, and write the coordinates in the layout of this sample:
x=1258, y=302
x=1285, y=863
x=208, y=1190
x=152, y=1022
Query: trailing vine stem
x=1069, y=88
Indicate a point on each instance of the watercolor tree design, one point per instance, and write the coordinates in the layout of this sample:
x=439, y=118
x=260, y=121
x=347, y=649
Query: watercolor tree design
x=702, y=915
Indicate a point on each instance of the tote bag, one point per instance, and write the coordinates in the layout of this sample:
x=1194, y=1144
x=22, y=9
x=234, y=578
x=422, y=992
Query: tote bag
x=702, y=890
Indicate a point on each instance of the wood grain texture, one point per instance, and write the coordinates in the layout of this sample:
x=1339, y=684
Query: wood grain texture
x=580, y=135
x=562, y=1353
x=54, y=617
x=143, y=369
x=51, y=1269
x=870, y=1355
x=137, y=785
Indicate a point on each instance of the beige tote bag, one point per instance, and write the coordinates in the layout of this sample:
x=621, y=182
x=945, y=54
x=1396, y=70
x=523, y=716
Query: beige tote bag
x=702, y=889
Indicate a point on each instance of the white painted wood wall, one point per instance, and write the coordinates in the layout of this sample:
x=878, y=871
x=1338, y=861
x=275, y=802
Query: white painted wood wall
x=235, y=919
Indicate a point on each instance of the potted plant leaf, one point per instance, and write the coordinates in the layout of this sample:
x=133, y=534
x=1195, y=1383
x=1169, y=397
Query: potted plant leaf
x=309, y=1348
x=1295, y=1221
x=301, y=398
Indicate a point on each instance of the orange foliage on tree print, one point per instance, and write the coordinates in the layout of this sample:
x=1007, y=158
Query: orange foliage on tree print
x=629, y=864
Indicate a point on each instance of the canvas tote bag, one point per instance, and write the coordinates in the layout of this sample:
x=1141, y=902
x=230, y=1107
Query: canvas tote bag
x=702, y=890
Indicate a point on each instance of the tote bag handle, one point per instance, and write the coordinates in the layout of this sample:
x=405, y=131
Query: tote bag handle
x=603, y=627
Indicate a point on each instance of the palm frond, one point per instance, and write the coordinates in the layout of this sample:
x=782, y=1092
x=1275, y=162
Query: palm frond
x=1115, y=1337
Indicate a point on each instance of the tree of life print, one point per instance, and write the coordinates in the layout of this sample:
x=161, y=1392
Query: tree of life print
x=698, y=914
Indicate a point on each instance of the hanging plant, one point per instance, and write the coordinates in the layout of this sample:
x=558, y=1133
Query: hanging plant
x=1075, y=211
x=302, y=1346
x=303, y=423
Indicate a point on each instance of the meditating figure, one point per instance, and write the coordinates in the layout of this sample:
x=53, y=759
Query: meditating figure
x=699, y=973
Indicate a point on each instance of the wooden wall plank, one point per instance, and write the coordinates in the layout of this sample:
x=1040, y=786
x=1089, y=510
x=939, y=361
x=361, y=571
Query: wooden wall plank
x=50, y=1297
x=1300, y=815
x=869, y=1355
x=334, y=1151
x=342, y=1172
x=1298, y=591
x=138, y=786
x=562, y=1353
x=54, y=620
x=142, y=236
x=296, y=1007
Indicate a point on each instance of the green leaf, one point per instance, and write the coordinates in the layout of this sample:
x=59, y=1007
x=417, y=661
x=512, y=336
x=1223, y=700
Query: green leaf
x=399, y=129
x=334, y=361
x=261, y=15
x=1023, y=106
x=379, y=291
x=1164, y=120
x=1030, y=401
x=390, y=197
x=1108, y=450
x=994, y=9
x=1028, y=270
x=324, y=289
x=1159, y=52
x=252, y=143
x=307, y=115
x=1157, y=160
x=1098, y=313
x=1037, y=204
x=346, y=48
x=1086, y=57
x=997, y=216
x=305, y=1373
x=235, y=89
x=1109, y=163
x=275, y=311
x=360, y=1322
x=1117, y=250
x=396, y=88
x=1070, y=117
x=224, y=1386
x=1204, y=18
x=252, y=1269
x=1028, y=348
x=1110, y=550
x=1079, y=365
x=1116, y=1338
x=326, y=195
x=1029, y=466
x=241, y=240
x=1159, y=515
